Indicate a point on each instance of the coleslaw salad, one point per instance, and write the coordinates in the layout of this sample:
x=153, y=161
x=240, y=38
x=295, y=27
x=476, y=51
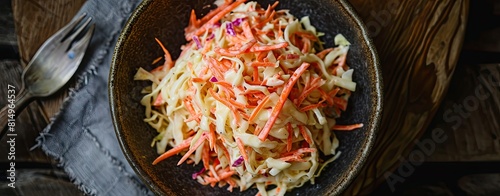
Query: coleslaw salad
x=253, y=97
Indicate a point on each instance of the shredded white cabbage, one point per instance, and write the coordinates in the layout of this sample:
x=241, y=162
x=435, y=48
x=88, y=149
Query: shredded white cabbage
x=224, y=102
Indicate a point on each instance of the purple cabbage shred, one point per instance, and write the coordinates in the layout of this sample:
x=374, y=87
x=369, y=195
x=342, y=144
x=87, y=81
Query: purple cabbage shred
x=197, y=173
x=197, y=40
x=238, y=21
x=238, y=162
x=230, y=29
x=210, y=37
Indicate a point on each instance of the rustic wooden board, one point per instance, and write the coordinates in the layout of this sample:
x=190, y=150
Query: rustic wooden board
x=418, y=44
x=36, y=173
x=470, y=116
x=37, y=20
x=474, y=134
x=28, y=123
x=41, y=182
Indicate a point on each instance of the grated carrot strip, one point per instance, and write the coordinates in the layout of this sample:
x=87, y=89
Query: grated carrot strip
x=173, y=151
x=197, y=80
x=215, y=68
x=241, y=146
x=323, y=53
x=307, y=45
x=305, y=134
x=312, y=106
x=231, y=183
x=247, y=31
x=212, y=13
x=203, y=71
x=341, y=61
x=237, y=104
x=282, y=99
x=257, y=130
x=340, y=103
x=192, y=20
x=258, y=48
x=241, y=50
x=211, y=137
x=190, y=109
x=226, y=87
x=261, y=56
x=255, y=75
x=289, y=138
x=299, y=151
x=222, y=176
x=325, y=96
x=193, y=148
x=313, y=85
x=347, y=127
x=268, y=11
x=224, y=149
x=274, y=5
x=156, y=61
x=195, y=118
x=168, y=59
x=292, y=158
x=268, y=18
x=158, y=100
x=245, y=115
x=205, y=156
x=256, y=111
x=307, y=35
x=214, y=19
x=263, y=64
x=223, y=101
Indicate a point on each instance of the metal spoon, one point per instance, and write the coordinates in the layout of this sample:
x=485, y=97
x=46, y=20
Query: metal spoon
x=51, y=67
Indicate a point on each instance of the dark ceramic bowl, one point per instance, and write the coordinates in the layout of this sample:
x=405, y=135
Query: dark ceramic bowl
x=166, y=20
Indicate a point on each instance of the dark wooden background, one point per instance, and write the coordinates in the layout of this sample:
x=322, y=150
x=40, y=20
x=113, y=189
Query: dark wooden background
x=434, y=54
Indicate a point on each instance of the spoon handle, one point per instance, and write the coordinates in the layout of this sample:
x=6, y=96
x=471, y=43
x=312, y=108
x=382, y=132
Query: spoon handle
x=9, y=112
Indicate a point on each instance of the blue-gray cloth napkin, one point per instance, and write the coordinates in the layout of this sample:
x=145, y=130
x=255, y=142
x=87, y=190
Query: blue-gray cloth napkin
x=81, y=135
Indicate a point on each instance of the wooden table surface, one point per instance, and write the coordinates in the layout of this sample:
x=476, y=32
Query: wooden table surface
x=420, y=44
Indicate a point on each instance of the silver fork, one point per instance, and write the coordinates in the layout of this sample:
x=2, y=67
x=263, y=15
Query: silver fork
x=51, y=67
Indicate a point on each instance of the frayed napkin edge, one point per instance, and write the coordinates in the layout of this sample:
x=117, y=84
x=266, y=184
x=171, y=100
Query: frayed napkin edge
x=82, y=81
x=81, y=186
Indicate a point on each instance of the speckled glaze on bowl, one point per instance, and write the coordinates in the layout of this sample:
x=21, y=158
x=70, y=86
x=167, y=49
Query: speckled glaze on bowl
x=166, y=19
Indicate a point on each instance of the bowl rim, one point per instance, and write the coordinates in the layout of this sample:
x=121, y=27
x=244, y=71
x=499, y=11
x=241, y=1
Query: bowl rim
x=127, y=28
x=375, y=119
x=354, y=168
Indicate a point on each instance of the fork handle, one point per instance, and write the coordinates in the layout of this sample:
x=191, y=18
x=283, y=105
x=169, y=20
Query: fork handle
x=9, y=112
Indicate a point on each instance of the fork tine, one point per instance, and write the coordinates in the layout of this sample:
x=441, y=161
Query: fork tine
x=61, y=34
x=79, y=30
x=81, y=45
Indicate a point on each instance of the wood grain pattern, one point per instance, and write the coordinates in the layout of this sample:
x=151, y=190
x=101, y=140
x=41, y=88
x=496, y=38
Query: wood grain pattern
x=474, y=97
x=418, y=44
x=41, y=182
x=28, y=123
x=7, y=30
x=35, y=21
